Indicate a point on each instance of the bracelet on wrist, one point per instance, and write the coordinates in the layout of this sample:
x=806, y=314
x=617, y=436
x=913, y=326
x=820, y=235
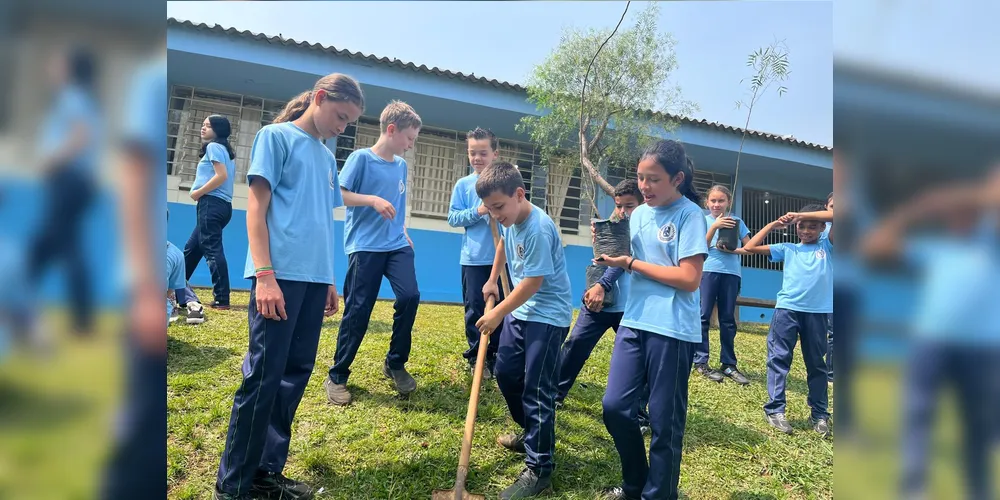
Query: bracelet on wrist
x=268, y=272
x=630, y=262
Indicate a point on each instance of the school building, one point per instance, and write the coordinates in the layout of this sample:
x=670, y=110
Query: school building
x=248, y=77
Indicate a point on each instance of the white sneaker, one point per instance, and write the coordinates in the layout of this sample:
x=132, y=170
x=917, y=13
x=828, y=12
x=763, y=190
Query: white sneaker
x=195, y=313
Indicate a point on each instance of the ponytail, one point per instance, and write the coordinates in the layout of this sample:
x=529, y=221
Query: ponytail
x=687, y=187
x=337, y=87
x=295, y=108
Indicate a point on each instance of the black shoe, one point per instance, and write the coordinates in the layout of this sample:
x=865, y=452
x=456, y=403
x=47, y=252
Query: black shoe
x=615, y=493
x=219, y=495
x=220, y=306
x=708, y=373
x=400, y=378
x=778, y=421
x=513, y=442
x=274, y=486
x=731, y=372
x=821, y=426
x=528, y=484
x=645, y=430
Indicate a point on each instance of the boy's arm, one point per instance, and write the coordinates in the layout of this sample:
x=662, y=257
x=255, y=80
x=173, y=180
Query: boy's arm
x=518, y=296
x=610, y=276
x=461, y=216
x=755, y=247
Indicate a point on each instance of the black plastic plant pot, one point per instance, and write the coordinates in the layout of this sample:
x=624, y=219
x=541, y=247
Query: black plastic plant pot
x=729, y=237
x=612, y=238
x=594, y=274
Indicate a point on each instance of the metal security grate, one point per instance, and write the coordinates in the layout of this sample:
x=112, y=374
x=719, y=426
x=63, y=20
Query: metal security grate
x=760, y=208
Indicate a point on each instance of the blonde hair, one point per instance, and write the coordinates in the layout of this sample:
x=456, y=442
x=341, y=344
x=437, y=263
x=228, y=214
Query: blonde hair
x=720, y=188
x=338, y=88
x=401, y=115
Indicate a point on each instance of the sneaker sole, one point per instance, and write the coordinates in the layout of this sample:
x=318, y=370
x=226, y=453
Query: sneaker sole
x=195, y=321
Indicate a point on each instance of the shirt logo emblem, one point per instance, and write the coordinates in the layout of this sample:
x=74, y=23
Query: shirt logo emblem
x=520, y=250
x=821, y=254
x=667, y=233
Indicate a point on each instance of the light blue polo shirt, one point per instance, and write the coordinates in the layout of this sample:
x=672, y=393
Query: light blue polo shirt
x=73, y=105
x=215, y=152
x=477, y=241
x=533, y=248
x=807, y=279
x=365, y=230
x=724, y=262
x=302, y=173
x=664, y=236
x=175, y=273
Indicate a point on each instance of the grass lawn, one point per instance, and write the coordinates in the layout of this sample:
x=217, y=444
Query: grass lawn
x=383, y=447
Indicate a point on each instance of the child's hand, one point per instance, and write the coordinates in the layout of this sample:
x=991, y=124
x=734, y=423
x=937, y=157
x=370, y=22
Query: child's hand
x=722, y=246
x=605, y=260
x=482, y=210
x=594, y=298
x=332, y=301
x=408, y=240
x=489, y=322
x=196, y=194
x=270, y=301
x=724, y=222
x=593, y=233
x=490, y=288
x=384, y=208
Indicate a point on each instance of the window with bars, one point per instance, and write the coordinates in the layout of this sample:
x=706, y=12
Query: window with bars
x=188, y=108
x=760, y=208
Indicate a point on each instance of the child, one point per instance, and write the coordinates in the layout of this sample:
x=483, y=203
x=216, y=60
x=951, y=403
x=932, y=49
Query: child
x=537, y=315
x=175, y=276
x=373, y=183
x=802, y=310
x=213, y=191
x=478, y=251
x=720, y=284
x=594, y=318
x=659, y=329
x=292, y=178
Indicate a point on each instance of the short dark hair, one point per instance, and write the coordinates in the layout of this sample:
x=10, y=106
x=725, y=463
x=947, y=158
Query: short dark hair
x=629, y=187
x=500, y=176
x=480, y=133
x=812, y=207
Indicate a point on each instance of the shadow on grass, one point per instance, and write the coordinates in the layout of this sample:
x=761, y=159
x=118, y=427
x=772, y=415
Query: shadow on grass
x=33, y=410
x=702, y=429
x=183, y=357
x=375, y=327
x=744, y=495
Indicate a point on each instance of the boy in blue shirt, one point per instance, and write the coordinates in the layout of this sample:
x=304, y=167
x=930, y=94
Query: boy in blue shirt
x=175, y=276
x=537, y=315
x=467, y=211
x=804, y=304
x=373, y=184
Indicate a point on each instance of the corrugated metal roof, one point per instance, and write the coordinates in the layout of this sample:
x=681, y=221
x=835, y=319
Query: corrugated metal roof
x=462, y=76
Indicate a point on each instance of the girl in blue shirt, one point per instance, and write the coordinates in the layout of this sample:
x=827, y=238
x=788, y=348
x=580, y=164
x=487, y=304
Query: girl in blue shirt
x=661, y=324
x=213, y=191
x=293, y=191
x=720, y=284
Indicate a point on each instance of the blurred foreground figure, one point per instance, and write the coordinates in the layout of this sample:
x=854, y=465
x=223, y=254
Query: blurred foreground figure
x=69, y=148
x=139, y=460
x=955, y=341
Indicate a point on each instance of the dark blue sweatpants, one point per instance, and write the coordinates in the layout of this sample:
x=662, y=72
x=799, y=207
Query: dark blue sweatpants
x=526, y=371
x=664, y=363
x=972, y=370
x=276, y=370
x=788, y=327
x=721, y=289
x=213, y=215
x=474, y=278
x=364, y=278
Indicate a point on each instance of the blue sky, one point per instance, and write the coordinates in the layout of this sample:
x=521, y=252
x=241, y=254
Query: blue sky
x=504, y=40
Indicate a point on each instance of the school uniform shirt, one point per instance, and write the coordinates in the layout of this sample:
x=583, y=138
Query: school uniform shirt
x=215, y=152
x=533, y=249
x=619, y=287
x=807, y=279
x=957, y=279
x=302, y=174
x=175, y=273
x=73, y=106
x=365, y=230
x=724, y=262
x=477, y=241
x=664, y=236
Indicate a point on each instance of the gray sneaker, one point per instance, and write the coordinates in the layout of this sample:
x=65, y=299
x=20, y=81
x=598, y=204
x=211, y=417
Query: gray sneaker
x=528, y=484
x=337, y=393
x=401, y=379
x=195, y=313
x=822, y=426
x=778, y=421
